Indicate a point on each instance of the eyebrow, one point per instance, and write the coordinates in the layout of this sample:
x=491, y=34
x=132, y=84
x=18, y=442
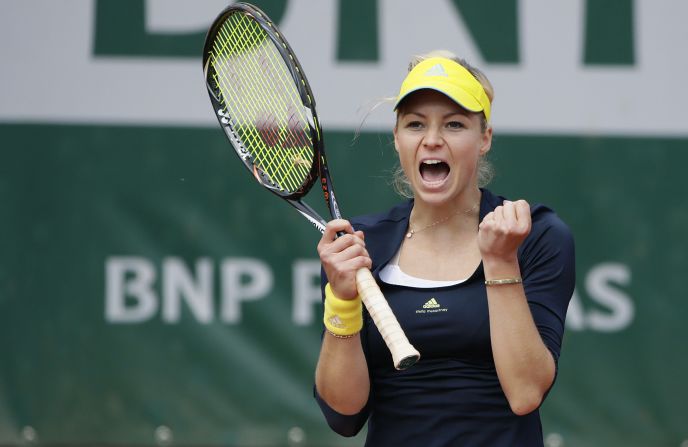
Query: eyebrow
x=461, y=112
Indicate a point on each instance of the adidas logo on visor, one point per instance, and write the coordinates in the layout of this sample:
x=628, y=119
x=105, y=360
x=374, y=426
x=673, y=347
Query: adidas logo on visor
x=436, y=70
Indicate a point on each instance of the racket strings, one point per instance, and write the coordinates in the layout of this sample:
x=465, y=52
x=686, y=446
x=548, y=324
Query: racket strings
x=269, y=132
x=257, y=119
x=254, y=39
x=262, y=126
x=265, y=107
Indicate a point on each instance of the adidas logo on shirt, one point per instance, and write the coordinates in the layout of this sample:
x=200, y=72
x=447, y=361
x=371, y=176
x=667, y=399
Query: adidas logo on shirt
x=431, y=306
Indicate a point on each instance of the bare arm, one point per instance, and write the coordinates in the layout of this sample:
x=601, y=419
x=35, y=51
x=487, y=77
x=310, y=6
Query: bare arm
x=525, y=366
x=341, y=376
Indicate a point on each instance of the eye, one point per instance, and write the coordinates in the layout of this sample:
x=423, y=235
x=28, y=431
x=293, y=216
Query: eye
x=454, y=125
x=415, y=124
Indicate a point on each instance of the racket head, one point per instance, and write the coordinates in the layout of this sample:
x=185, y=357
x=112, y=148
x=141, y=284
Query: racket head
x=263, y=101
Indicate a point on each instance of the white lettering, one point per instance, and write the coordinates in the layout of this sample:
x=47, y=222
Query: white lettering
x=129, y=277
x=179, y=285
x=599, y=284
x=306, y=290
x=130, y=296
x=235, y=291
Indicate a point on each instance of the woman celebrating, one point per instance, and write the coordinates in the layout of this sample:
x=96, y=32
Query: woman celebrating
x=480, y=284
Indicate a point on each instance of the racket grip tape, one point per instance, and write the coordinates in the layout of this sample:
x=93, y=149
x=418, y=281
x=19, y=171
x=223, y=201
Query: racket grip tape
x=404, y=354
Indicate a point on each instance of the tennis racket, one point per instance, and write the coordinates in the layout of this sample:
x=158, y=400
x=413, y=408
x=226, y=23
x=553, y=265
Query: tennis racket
x=265, y=106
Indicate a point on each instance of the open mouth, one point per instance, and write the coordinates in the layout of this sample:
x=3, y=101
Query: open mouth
x=434, y=171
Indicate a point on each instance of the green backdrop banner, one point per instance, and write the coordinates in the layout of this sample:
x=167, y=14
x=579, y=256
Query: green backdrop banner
x=151, y=294
x=150, y=289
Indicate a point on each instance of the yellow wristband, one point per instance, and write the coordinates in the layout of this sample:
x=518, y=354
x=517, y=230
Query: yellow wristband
x=342, y=317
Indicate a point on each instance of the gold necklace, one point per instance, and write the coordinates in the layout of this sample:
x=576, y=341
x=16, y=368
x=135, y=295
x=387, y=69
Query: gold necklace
x=411, y=232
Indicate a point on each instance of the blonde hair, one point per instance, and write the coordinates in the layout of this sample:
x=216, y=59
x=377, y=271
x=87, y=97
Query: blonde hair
x=485, y=169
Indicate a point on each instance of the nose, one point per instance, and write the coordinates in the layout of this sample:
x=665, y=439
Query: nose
x=433, y=137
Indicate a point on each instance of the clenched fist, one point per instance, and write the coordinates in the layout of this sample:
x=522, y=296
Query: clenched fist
x=503, y=230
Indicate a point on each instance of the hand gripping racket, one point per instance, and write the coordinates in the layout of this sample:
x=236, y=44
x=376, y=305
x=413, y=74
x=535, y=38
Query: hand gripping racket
x=265, y=106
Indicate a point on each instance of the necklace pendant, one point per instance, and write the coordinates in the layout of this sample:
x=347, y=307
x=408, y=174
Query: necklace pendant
x=409, y=235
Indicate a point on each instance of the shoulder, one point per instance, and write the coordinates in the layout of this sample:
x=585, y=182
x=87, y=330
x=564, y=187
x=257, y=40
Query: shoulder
x=396, y=214
x=550, y=237
x=545, y=220
x=548, y=226
x=384, y=231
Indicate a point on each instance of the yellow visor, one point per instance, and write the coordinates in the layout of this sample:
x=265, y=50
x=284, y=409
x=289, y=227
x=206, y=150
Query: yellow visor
x=450, y=78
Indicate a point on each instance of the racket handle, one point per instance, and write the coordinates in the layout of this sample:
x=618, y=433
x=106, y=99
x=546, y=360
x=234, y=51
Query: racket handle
x=404, y=354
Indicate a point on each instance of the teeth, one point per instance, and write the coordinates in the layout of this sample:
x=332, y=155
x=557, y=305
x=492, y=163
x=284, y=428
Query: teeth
x=432, y=162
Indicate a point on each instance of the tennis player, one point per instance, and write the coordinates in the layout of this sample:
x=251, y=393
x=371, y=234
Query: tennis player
x=480, y=284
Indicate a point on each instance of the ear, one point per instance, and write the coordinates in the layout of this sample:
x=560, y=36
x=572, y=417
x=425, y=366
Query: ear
x=396, y=144
x=486, y=144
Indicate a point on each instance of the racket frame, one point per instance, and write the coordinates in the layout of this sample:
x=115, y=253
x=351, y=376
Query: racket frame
x=319, y=166
x=403, y=353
